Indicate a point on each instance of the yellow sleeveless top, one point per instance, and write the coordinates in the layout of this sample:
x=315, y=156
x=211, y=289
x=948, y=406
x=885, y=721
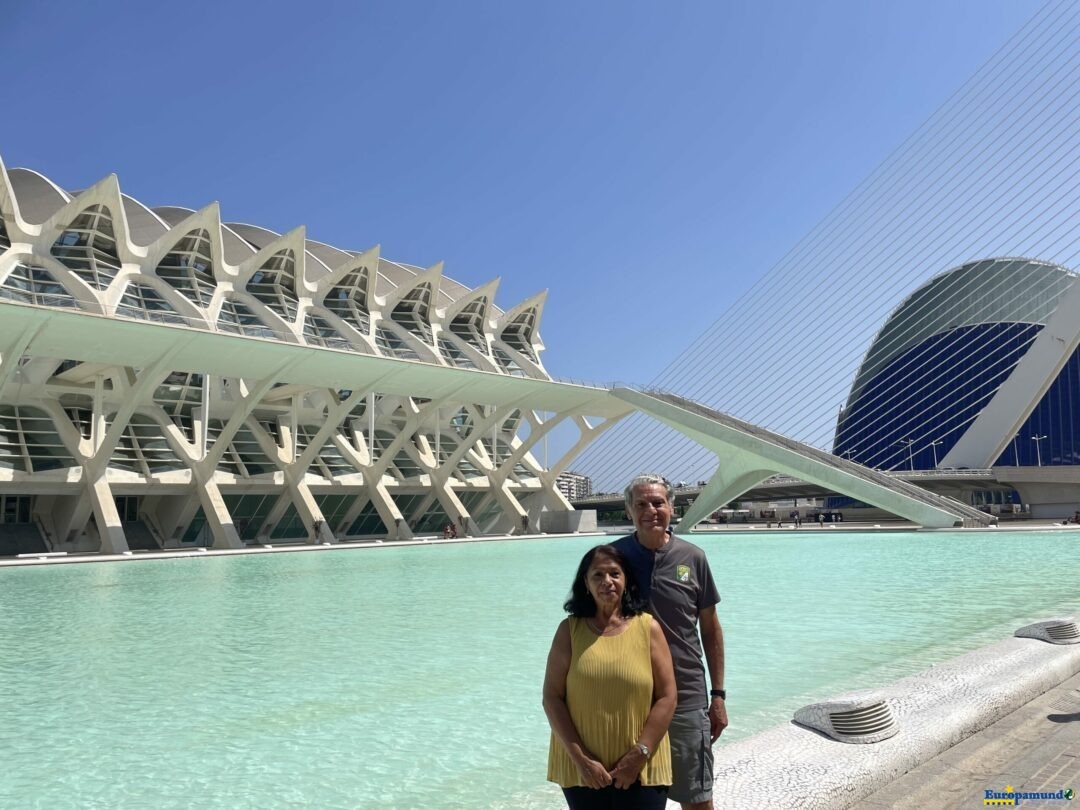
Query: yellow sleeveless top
x=609, y=692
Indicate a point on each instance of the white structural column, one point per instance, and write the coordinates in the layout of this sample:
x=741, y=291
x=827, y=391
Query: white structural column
x=430, y=418
x=359, y=455
x=305, y=502
x=218, y=519
x=105, y=441
x=373, y=464
x=487, y=427
x=560, y=514
x=992, y=430
x=135, y=391
x=216, y=513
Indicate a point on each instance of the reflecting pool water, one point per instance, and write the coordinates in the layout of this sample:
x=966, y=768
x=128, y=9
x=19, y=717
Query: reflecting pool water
x=410, y=676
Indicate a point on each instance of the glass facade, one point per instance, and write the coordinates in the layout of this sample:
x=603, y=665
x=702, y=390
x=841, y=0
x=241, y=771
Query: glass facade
x=274, y=285
x=367, y=523
x=1056, y=419
x=942, y=356
x=349, y=301
x=454, y=355
x=920, y=403
x=29, y=441
x=413, y=312
x=391, y=345
x=189, y=268
x=36, y=285
x=88, y=247
x=145, y=303
x=319, y=332
x=238, y=318
x=518, y=334
x=468, y=324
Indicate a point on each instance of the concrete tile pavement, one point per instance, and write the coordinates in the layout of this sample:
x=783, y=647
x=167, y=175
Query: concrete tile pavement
x=1034, y=749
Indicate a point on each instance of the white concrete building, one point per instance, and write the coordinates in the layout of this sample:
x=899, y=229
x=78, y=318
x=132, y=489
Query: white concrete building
x=574, y=485
x=168, y=379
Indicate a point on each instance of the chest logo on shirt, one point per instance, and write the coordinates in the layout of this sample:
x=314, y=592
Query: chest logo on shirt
x=682, y=573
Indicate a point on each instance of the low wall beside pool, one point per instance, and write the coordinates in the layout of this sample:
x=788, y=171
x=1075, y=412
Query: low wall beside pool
x=793, y=766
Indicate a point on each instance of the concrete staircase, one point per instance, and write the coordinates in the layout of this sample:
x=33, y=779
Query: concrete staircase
x=21, y=538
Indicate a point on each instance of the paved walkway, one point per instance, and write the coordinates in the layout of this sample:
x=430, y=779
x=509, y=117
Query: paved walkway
x=1034, y=749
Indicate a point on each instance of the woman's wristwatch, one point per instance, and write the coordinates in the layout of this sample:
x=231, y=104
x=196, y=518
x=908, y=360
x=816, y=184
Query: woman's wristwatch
x=720, y=693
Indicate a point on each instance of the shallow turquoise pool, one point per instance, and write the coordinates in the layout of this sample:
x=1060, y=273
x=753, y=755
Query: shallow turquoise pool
x=410, y=677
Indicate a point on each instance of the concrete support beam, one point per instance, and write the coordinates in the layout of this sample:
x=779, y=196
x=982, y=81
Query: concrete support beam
x=242, y=410
x=70, y=514
x=12, y=353
x=311, y=514
x=107, y=518
x=1050, y=501
x=455, y=509
x=737, y=473
x=174, y=514
x=217, y=516
x=512, y=510
x=396, y=526
x=139, y=388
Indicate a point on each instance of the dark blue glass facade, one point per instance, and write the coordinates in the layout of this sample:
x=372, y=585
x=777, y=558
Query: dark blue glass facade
x=931, y=393
x=1057, y=417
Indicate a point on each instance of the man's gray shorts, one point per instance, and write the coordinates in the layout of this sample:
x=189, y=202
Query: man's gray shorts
x=691, y=757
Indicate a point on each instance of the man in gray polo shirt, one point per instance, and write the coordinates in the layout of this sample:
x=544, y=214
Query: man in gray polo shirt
x=675, y=577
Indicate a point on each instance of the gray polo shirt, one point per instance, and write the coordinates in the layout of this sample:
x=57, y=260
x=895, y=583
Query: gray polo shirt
x=679, y=585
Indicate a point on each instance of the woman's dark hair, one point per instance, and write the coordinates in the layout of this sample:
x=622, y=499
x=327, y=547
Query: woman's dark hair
x=582, y=605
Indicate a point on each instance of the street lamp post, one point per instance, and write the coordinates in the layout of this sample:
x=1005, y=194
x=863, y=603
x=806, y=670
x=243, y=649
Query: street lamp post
x=933, y=446
x=1038, y=454
x=910, y=457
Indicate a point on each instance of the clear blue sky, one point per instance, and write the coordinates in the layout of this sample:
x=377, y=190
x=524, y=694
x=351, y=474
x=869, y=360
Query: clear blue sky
x=645, y=162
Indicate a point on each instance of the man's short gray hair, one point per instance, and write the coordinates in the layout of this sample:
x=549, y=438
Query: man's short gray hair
x=645, y=479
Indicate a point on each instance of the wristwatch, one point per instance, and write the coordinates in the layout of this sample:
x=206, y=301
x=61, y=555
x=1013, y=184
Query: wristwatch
x=720, y=693
x=644, y=749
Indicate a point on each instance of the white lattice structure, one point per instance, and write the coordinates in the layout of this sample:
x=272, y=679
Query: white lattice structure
x=170, y=379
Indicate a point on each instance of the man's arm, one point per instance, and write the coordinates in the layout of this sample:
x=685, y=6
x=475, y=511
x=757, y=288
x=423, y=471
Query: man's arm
x=712, y=639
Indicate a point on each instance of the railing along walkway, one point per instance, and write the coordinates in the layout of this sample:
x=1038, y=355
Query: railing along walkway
x=968, y=514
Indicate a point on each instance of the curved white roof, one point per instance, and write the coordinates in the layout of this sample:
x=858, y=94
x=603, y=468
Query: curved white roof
x=1000, y=290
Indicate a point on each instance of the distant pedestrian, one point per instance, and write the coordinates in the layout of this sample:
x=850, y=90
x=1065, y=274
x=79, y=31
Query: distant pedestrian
x=820, y=520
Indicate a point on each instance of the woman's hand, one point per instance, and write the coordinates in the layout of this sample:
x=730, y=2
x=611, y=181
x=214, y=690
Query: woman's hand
x=628, y=768
x=592, y=771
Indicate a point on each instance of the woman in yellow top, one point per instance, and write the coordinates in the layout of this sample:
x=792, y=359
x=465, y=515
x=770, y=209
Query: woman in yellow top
x=609, y=693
